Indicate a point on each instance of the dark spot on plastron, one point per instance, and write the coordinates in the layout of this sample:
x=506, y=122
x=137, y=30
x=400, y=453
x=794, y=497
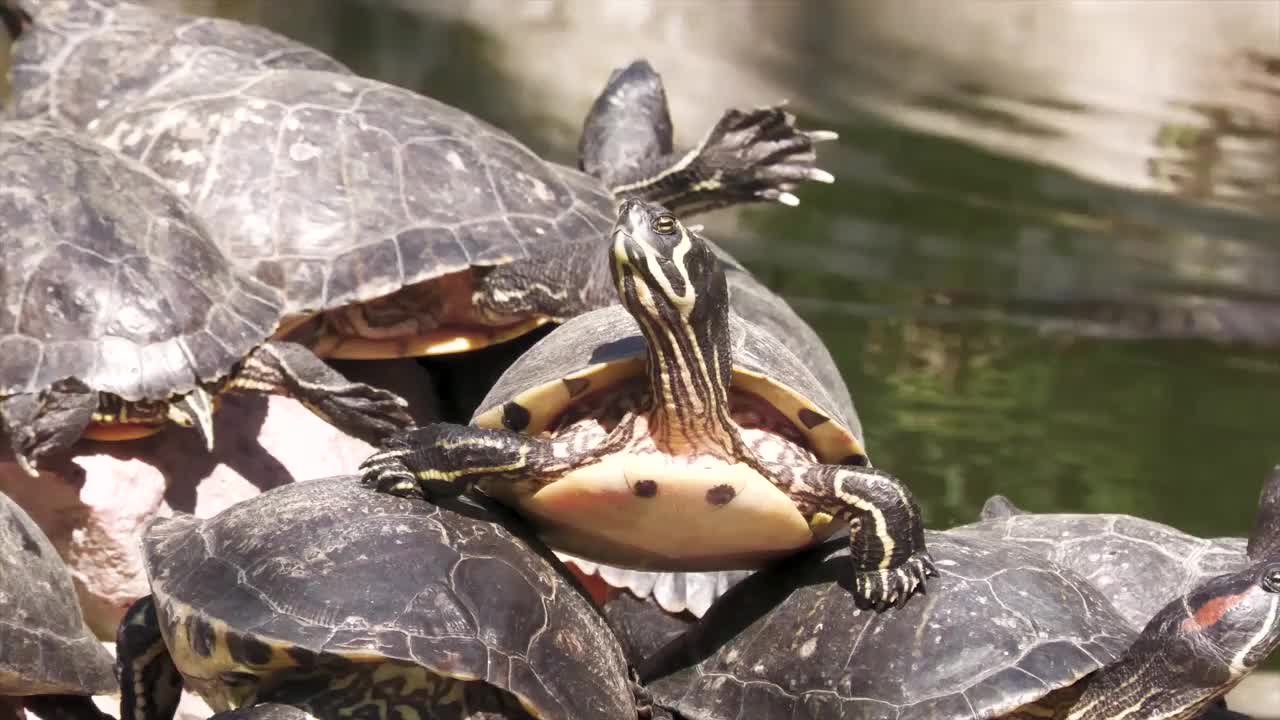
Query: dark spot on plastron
x=646, y=488
x=202, y=637
x=515, y=416
x=721, y=494
x=812, y=419
x=247, y=650
x=29, y=543
x=576, y=386
x=856, y=460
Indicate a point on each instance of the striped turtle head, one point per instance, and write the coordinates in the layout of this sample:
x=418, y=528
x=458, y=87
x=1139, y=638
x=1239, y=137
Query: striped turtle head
x=1220, y=631
x=672, y=283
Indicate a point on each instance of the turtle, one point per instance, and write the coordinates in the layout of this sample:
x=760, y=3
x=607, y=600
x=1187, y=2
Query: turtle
x=78, y=59
x=49, y=660
x=668, y=433
x=1004, y=632
x=687, y=595
x=1140, y=564
x=397, y=225
x=339, y=601
x=119, y=315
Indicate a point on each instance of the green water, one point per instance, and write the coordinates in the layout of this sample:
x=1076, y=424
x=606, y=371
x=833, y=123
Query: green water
x=987, y=308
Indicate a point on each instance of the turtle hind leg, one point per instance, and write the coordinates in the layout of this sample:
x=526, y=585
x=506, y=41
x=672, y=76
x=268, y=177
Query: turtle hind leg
x=290, y=369
x=64, y=707
x=150, y=686
x=46, y=422
x=748, y=156
x=886, y=534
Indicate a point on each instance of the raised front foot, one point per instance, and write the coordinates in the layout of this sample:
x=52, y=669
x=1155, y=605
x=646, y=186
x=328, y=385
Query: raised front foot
x=290, y=369
x=759, y=155
x=46, y=422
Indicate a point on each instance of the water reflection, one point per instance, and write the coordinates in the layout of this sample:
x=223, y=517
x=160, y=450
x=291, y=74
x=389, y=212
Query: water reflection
x=1020, y=187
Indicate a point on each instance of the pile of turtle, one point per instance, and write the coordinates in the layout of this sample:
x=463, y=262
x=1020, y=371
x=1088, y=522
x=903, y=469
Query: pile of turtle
x=659, y=504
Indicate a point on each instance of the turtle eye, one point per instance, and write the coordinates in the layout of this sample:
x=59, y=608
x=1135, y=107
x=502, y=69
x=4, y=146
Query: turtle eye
x=664, y=224
x=1271, y=579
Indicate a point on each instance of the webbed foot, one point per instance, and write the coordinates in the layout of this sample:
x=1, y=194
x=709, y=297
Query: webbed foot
x=357, y=409
x=757, y=155
x=891, y=587
x=387, y=472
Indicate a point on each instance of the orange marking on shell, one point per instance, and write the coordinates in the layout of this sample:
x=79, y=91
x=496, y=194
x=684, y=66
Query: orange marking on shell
x=1211, y=612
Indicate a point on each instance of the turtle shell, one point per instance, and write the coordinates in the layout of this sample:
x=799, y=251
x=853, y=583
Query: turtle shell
x=750, y=298
x=339, y=189
x=45, y=646
x=331, y=569
x=1000, y=627
x=107, y=277
x=604, y=346
x=1140, y=564
x=81, y=58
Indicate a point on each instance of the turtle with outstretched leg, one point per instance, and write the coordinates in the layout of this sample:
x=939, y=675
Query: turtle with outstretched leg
x=50, y=663
x=119, y=315
x=483, y=239
x=328, y=600
x=667, y=433
x=1004, y=632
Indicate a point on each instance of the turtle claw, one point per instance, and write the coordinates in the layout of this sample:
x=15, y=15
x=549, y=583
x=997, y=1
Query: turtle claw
x=882, y=589
x=386, y=472
x=760, y=154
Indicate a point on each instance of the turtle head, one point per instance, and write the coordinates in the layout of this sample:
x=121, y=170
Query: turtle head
x=1216, y=634
x=672, y=283
x=667, y=277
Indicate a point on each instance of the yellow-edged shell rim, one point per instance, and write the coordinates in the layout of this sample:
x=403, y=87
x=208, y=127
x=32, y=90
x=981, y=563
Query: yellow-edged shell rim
x=830, y=439
x=281, y=659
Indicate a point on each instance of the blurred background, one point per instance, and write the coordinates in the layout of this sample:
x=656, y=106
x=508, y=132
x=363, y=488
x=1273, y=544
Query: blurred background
x=1050, y=264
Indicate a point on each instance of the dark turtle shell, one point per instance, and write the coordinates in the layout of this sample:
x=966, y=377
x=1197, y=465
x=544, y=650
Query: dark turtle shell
x=750, y=298
x=340, y=189
x=107, y=277
x=45, y=646
x=1140, y=564
x=1000, y=628
x=334, y=571
x=81, y=58
x=597, y=348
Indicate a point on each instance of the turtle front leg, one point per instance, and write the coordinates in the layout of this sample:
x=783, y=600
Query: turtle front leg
x=748, y=156
x=292, y=370
x=886, y=535
x=47, y=422
x=150, y=686
x=442, y=460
